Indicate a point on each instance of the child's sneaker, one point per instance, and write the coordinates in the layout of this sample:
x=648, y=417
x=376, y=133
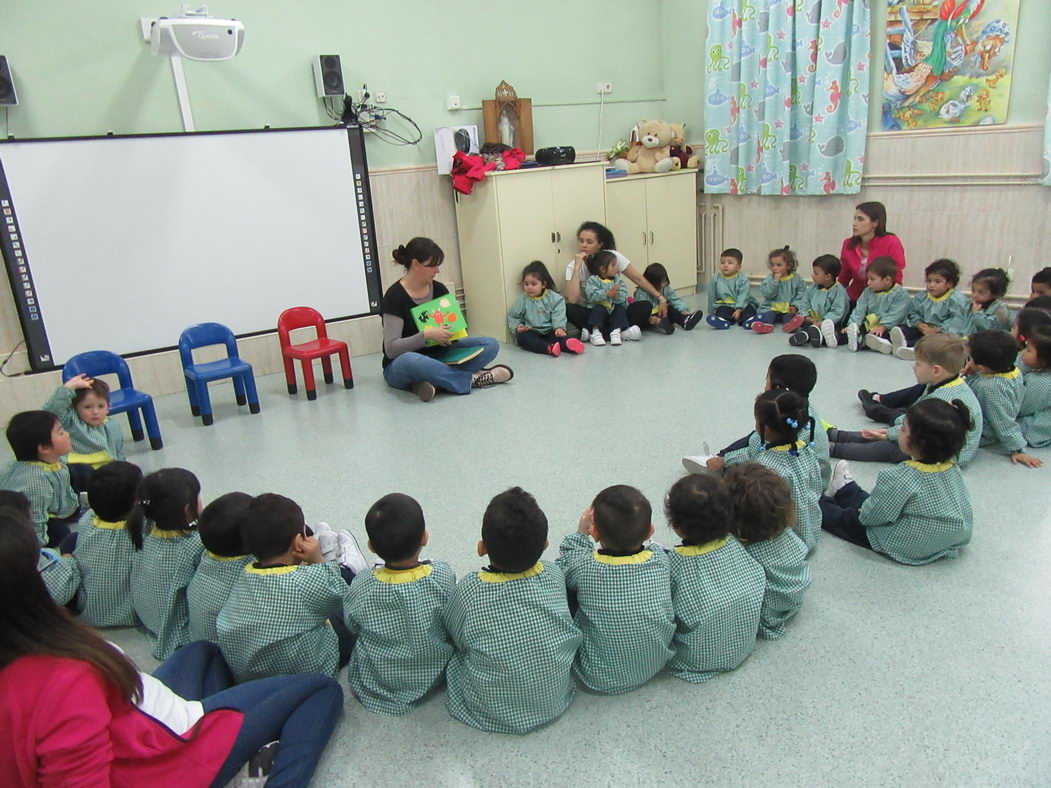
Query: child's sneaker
x=348, y=553
x=793, y=324
x=900, y=345
x=614, y=337
x=716, y=322
x=327, y=540
x=597, y=340
x=879, y=344
x=574, y=346
x=697, y=463
x=555, y=349
x=633, y=333
x=799, y=339
x=693, y=319
x=760, y=327
x=853, y=337
x=490, y=376
x=841, y=477
x=665, y=325
x=905, y=353
x=584, y=334
x=808, y=335
x=746, y=324
x=828, y=333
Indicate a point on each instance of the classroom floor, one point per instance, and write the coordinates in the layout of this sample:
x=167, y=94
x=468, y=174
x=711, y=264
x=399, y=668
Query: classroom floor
x=889, y=674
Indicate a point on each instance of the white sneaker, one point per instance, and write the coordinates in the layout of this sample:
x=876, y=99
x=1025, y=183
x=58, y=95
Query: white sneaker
x=900, y=345
x=327, y=541
x=879, y=344
x=828, y=333
x=841, y=477
x=905, y=353
x=697, y=463
x=614, y=337
x=584, y=334
x=597, y=340
x=633, y=333
x=349, y=553
x=853, y=338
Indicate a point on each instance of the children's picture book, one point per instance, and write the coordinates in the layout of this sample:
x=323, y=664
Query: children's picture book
x=443, y=312
x=454, y=355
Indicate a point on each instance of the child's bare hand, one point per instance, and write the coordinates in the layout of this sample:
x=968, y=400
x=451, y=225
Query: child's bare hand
x=879, y=331
x=793, y=310
x=78, y=382
x=810, y=321
x=976, y=306
x=738, y=313
x=1028, y=460
x=927, y=329
x=716, y=464
x=522, y=328
x=654, y=320
x=874, y=435
x=968, y=369
x=560, y=332
x=587, y=521
x=612, y=292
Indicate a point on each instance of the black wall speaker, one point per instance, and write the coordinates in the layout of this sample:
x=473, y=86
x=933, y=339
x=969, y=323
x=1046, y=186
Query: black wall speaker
x=328, y=76
x=8, y=97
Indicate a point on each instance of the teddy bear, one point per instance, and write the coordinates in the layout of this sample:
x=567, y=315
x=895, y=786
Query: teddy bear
x=681, y=153
x=653, y=151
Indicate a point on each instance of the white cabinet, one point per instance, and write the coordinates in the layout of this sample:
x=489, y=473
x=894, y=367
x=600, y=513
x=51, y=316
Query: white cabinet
x=513, y=218
x=654, y=220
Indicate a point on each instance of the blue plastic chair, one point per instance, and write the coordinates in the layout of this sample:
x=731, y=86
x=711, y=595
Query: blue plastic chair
x=126, y=399
x=198, y=376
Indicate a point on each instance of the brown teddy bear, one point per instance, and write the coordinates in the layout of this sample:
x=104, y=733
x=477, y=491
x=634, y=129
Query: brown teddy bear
x=682, y=153
x=653, y=153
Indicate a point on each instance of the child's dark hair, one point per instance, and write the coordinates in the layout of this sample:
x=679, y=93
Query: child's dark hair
x=793, y=372
x=514, y=530
x=698, y=509
x=622, y=517
x=600, y=260
x=269, y=524
x=1043, y=276
x=395, y=526
x=222, y=524
x=1029, y=320
x=884, y=268
x=945, y=268
x=946, y=350
x=787, y=255
x=602, y=233
x=168, y=498
x=734, y=253
x=828, y=263
x=539, y=270
x=16, y=501
x=113, y=495
x=1040, y=302
x=29, y=430
x=761, y=501
x=994, y=279
x=779, y=415
x=938, y=429
x=98, y=387
x=657, y=275
x=1040, y=339
x=994, y=349
x=423, y=250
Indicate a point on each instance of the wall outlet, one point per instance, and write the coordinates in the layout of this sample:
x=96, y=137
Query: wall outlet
x=453, y=103
x=604, y=87
x=380, y=96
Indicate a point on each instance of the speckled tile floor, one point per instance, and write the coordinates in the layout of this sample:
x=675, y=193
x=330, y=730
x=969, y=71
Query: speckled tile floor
x=889, y=675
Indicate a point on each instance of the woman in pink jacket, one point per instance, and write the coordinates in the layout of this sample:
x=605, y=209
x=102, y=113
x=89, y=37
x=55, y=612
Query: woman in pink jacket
x=869, y=241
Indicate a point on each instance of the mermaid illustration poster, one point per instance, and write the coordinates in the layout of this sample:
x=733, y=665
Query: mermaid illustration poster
x=948, y=63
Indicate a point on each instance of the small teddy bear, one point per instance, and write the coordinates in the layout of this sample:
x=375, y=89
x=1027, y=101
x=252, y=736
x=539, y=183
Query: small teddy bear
x=653, y=153
x=681, y=153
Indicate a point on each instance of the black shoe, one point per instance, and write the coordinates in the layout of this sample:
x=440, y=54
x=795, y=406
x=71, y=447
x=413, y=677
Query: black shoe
x=815, y=335
x=799, y=338
x=868, y=402
x=692, y=320
x=666, y=326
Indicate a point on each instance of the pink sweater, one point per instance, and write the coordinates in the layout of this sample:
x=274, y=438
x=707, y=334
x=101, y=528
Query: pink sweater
x=64, y=725
x=852, y=273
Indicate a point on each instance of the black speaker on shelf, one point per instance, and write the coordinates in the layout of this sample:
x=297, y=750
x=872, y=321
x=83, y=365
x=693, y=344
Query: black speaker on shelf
x=560, y=154
x=328, y=76
x=8, y=97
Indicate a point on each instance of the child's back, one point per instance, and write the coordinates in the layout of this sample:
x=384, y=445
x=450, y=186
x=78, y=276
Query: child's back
x=783, y=559
x=209, y=591
x=105, y=554
x=1000, y=396
x=1034, y=412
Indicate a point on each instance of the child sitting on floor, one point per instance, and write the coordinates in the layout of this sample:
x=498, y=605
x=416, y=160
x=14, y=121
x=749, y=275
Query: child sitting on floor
x=510, y=624
x=763, y=516
x=717, y=588
x=882, y=306
x=784, y=298
x=1034, y=414
x=988, y=286
x=939, y=309
x=919, y=510
x=827, y=309
x=538, y=318
x=60, y=573
x=607, y=299
x=730, y=298
x=396, y=611
x=221, y=527
x=623, y=592
x=82, y=405
x=679, y=313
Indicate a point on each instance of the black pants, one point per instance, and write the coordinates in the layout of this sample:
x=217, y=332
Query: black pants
x=912, y=334
x=536, y=342
x=895, y=403
x=638, y=314
x=839, y=515
x=852, y=446
x=614, y=319
x=345, y=636
x=58, y=527
x=79, y=476
x=727, y=313
x=740, y=443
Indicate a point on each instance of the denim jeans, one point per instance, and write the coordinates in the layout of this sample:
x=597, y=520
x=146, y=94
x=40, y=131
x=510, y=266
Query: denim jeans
x=409, y=368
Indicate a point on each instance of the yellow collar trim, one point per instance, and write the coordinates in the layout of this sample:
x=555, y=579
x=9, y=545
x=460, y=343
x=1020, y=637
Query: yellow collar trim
x=160, y=533
x=930, y=467
x=504, y=577
x=622, y=560
x=787, y=446
x=537, y=298
x=116, y=525
x=701, y=549
x=47, y=466
x=1014, y=373
x=398, y=576
x=890, y=289
x=958, y=381
x=269, y=570
x=731, y=276
x=943, y=296
x=225, y=558
x=786, y=277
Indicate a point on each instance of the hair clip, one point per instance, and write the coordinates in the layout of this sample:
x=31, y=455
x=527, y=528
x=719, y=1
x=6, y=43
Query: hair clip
x=792, y=423
x=144, y=502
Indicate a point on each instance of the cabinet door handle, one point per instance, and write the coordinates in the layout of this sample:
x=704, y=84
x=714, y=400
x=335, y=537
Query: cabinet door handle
x=552, y=237
x=643, y=237
x=558, y=237
x=651, y=237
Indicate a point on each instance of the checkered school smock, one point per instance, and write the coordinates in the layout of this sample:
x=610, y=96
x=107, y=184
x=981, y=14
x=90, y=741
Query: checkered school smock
x=89, y=443
x=717, y=591
x=402, y=647
x=625, y=614
x=209, y=589
x=515, y=643
x=1034, y=414
x=821, y=448
x=1000, y=396
x=276, y=621
x=783, y=559
x=46, y=485
x=947, y=392
x=160, y=573
x=105, y=555
x=60, y=574
x=918, y=512
x=995, y=314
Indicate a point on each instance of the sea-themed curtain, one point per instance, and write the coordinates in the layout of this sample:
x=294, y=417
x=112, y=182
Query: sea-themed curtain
x=1047, y=141
x=786, y=104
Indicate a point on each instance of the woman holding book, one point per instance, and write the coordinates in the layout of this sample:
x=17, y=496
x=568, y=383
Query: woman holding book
x=409, y=362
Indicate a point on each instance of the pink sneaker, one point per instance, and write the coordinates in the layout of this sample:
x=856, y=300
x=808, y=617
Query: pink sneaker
x=555, y=350
x=762, y=328
x=574, y=346
x=794, y=324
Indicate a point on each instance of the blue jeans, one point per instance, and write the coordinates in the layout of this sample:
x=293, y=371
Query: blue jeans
x=299, y=711
x=409, y=368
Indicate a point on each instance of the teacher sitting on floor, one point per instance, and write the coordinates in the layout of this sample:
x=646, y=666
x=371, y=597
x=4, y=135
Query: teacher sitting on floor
x=868, y=241
x=408, y=362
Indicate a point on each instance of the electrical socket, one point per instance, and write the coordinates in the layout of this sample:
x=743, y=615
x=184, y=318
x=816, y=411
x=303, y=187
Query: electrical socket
x=604, y=87
x=453, y=103
x=380, y=96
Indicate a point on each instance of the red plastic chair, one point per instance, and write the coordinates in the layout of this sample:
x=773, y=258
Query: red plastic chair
x=322, y=347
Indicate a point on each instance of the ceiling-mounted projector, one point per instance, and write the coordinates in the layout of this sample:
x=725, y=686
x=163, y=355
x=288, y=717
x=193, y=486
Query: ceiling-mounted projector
x=197, y=37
